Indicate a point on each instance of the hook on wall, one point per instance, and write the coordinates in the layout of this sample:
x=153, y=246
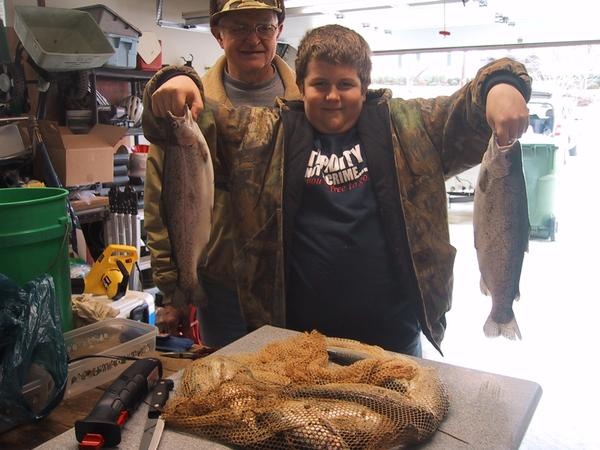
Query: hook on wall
x=188, y=62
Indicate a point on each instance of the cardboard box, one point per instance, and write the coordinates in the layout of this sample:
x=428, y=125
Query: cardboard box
x=95, y=202
x=81, y=159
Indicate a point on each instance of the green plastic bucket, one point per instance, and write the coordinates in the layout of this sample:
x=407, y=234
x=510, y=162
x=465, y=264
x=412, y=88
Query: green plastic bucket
x=34, y=239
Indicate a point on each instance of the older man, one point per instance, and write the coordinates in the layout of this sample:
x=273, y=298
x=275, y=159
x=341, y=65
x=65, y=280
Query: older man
x=249, y=73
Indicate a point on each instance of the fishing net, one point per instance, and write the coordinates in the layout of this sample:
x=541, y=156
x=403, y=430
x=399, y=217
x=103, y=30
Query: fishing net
x=310, y=392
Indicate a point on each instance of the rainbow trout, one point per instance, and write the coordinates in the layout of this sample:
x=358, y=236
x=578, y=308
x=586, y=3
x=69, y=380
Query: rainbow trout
x=501, y=228
x=187, y=200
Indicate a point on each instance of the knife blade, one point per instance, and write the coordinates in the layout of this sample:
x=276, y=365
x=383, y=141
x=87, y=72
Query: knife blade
x=154, y=423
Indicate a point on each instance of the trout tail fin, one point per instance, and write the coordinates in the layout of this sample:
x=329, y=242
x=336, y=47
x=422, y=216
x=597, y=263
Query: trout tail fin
x=509, y=330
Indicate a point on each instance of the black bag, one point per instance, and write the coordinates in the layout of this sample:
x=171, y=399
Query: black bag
x=31, y=339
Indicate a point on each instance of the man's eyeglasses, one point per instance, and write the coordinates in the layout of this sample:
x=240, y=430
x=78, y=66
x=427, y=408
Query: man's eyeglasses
x=262, y=30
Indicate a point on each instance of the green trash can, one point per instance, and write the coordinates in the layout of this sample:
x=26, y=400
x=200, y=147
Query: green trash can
x=34, y=239
x=540, y=180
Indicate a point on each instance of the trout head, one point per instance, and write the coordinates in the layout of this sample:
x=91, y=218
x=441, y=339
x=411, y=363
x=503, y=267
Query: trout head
x=501, y=161
x=184, y=128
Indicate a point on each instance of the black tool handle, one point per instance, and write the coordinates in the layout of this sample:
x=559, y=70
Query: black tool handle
x=118, y=402
x=160, y=395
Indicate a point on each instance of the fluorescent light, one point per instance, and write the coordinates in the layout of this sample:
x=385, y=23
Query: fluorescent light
x=432, y=2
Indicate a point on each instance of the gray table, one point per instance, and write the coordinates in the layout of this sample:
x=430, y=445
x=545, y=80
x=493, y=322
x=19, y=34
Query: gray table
x=487, y=411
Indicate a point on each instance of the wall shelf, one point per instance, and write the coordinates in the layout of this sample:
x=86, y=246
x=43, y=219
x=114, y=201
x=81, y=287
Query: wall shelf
x=123, y=74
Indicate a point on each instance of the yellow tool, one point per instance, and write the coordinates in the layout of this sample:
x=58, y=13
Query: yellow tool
x=110, y=273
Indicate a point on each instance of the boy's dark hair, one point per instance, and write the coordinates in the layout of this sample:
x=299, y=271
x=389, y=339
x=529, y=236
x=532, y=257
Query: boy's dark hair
x=334, y=44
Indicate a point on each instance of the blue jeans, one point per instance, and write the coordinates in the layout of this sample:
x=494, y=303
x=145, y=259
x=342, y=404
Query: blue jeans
x=221, y=322
x=414, y=348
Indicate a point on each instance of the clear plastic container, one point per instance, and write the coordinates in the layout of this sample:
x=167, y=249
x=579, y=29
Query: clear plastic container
x=38, y=388
x=117, y=337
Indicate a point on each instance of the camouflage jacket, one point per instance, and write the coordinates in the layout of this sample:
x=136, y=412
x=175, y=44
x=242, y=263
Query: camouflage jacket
x=412, y=146
x=220, y=249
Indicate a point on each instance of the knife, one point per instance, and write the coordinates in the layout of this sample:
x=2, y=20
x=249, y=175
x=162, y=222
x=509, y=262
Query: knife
x=155, y=424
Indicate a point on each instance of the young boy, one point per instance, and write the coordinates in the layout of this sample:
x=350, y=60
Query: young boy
x=338, y=200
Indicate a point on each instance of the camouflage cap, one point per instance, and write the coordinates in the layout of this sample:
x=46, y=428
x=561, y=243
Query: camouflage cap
x=220, y=7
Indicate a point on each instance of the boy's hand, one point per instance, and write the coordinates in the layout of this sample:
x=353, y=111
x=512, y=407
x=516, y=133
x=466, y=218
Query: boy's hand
x=506, y=113
x=174, y=94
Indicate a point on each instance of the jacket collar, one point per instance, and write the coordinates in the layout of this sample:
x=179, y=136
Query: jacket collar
x=213, y=81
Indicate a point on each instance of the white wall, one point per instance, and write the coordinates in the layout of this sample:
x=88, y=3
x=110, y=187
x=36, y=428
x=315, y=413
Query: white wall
x=142, y=15
x=535, y=21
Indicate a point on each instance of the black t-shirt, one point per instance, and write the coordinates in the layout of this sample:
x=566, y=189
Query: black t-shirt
x=342, y=279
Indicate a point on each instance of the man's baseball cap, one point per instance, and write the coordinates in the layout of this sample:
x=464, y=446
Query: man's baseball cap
x=220, y=7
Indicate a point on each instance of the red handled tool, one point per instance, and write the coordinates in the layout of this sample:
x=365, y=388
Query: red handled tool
x=102, y=427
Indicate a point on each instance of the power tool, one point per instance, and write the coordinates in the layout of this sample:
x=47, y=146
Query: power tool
x=102, y=427
x=110, y=273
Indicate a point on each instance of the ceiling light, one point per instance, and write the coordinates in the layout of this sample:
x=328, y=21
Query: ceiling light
x=500, y=18
x=432, y=2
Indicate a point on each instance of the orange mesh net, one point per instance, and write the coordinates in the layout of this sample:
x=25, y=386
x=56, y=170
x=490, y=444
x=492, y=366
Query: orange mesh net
x=310, y=392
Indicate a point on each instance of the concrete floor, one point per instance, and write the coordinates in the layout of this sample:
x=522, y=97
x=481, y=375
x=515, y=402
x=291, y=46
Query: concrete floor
x=557, y=314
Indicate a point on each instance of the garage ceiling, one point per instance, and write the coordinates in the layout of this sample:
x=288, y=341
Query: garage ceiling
x=416, y=24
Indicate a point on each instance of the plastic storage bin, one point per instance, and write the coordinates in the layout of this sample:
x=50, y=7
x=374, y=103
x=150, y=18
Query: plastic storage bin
x=110, y=22
x=540, y=179
x=59, y=39
x=125, y=56
x=123, y=36
x=116, y=337
x=134, y=305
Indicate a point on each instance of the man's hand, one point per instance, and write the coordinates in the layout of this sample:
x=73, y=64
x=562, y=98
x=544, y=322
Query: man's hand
x=174, y=94
x=169, y=320
x=174, y=321
x=506, y=113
